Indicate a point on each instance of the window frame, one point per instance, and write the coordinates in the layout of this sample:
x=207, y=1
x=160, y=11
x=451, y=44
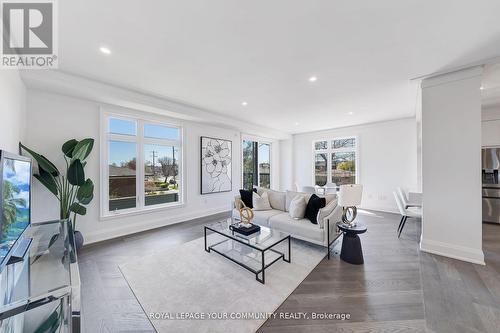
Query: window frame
x=329, y=151
x=140, y=141
x=259, y=141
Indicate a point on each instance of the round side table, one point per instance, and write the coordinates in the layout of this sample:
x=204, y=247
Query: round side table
x=351, y=244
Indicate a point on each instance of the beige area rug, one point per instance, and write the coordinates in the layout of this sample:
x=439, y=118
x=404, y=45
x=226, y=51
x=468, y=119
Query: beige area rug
x=188, y=281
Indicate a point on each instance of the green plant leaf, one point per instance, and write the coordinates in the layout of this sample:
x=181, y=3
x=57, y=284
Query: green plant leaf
x=86, y=201
x=42, y=161
x=86, y=190
x=82, y=149
x=47, y=180
x=78, y=209
x=53, y=167
x=76, y=175
x=68, y=147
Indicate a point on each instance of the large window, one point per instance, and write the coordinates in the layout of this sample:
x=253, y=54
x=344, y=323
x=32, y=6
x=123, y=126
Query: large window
x=256, y=164
x=141, y=165
x=335, y=161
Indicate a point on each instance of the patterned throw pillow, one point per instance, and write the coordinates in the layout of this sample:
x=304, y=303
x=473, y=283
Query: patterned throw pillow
x=261, y=202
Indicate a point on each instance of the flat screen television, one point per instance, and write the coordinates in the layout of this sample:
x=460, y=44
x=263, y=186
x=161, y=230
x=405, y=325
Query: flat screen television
x=15, y=204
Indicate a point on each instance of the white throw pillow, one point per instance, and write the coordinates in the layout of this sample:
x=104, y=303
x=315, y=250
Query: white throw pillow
x=261, y=202
x=290, y=195
x=297, y=208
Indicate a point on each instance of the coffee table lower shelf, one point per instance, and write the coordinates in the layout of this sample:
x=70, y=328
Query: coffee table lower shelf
x=250, y=257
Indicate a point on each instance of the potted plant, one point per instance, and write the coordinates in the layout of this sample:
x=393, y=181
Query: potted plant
x=71, y=188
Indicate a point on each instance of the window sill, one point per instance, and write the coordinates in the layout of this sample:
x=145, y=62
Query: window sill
x=117, y=215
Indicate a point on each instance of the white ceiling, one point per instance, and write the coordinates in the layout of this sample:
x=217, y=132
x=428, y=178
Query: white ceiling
x=216, y=54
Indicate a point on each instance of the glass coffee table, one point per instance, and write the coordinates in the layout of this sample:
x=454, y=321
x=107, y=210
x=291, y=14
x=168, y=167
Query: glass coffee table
x=255, y=252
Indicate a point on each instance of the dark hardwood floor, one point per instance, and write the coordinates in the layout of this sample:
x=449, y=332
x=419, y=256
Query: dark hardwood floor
x=398, y=289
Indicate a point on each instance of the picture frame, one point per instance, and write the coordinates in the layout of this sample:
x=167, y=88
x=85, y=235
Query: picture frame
x=215, y=165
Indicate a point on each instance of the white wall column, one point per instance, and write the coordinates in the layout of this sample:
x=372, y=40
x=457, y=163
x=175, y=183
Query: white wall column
x=451, y=165
x=286, y=165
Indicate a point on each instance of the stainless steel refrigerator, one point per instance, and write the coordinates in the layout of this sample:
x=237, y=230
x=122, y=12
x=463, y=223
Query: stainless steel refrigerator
x=491, y=186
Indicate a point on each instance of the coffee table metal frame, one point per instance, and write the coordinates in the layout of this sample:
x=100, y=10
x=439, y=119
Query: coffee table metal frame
x=241, y=240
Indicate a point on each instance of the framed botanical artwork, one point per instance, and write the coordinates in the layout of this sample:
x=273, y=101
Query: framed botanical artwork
x=216, y=165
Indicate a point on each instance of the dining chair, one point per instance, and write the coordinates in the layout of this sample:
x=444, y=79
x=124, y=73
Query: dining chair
x=319, y=189
x=407, y=201
x=309, y=189
x=405, y=213
x=330, y=188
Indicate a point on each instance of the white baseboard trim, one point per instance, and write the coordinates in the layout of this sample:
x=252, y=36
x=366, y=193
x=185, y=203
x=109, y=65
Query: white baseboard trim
x=99, y=236
x=452, y=251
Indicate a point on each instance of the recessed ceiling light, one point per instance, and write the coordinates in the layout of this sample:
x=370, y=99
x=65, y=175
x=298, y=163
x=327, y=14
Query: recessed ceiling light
x=350, y=113
x=296, y=123
x=244, y=103
x=105, y=50
x=313, y=79
x=481, y=88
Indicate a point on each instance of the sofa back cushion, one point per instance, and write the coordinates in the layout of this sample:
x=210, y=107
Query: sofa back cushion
x=261, y=202
x=277, y=199
x=291, y=194
x=329, y=197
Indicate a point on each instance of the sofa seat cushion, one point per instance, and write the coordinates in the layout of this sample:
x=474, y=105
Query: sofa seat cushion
x=302, y=228
x=260, y=217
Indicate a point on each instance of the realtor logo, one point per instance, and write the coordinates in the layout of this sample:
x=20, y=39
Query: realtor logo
x=28, y=34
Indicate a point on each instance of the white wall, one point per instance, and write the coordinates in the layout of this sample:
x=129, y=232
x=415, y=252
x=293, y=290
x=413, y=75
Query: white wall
x=12, y=110
x=451, y=165
x=490, y=126
x=387, y=159
x=53, y=119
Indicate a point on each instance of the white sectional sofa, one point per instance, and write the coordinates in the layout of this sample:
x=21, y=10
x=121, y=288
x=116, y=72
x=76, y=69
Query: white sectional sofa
x=324, y=233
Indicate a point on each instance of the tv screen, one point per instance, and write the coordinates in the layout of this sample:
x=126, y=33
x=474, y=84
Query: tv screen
x=15, y=187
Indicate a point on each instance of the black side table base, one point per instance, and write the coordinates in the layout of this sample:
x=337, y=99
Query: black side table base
x=351, y=249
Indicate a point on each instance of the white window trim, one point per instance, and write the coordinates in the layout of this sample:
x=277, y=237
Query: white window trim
x=140, y=118
x=259, y=141
x=331, y=150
